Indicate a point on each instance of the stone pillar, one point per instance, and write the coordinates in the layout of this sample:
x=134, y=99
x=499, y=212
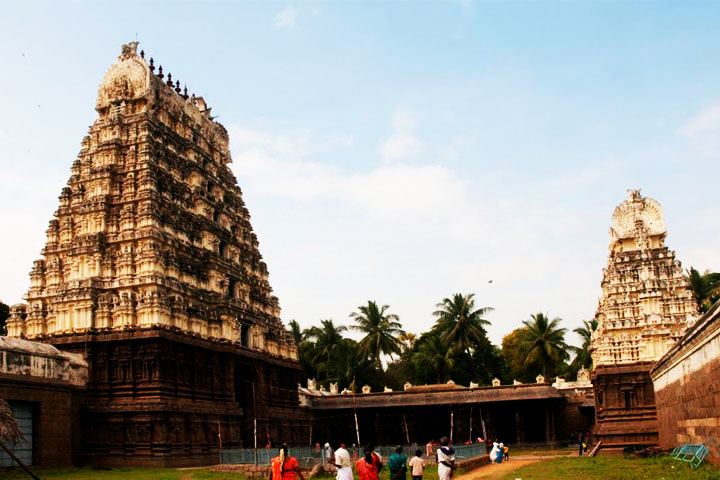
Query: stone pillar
x=379, y=427
x=519, y=427
x=549, y=426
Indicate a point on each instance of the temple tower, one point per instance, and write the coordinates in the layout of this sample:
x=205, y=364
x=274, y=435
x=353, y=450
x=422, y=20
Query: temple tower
x=646, y=306
x=152, y=271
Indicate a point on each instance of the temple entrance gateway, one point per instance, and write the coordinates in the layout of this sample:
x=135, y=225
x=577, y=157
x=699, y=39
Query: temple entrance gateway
x=646, y=306
x=152, y=272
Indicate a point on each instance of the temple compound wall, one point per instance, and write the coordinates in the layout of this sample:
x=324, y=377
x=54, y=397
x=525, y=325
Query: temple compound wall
x=43, y=386
x=645, y=308
x=518, y=414
x=151, y=271
x=687, y=387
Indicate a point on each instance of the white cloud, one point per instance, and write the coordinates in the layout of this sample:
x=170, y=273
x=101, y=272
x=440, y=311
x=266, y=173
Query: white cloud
x=400, y=146
x=403, y=143
x=407, y=234
x=703, y=129
x=286, y=18
x=278, y=165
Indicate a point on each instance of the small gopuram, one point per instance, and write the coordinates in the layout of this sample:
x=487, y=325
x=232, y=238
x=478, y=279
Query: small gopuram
x=646, y=306
x=152, y=272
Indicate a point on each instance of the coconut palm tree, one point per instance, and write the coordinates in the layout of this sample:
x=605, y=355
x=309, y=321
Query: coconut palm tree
x=544, y=342
x=582, y=353
x=706, y=287
x=433, y=355
x=459, y=323
x=296, y=332
x=381, y=329
x=327, y=341
x=408, y=340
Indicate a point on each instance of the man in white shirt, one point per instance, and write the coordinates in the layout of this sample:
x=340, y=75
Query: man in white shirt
x=343, y=463
x=445, y=459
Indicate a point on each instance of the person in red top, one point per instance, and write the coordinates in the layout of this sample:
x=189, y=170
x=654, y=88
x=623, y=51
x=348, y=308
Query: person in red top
x=368, y=467
x=285, y=467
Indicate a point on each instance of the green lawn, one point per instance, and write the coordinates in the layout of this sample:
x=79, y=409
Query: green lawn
x=613, y=468
x=598, y=468
x=120, y=474
x=430, y=474
x=153, y=474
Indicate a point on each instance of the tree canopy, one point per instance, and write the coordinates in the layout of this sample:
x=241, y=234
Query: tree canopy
x=705, y=286
x=459, y=323
x=382, y=331
x=4, y=315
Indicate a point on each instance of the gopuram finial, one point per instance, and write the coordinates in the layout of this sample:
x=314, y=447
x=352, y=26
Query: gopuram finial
x=142, y=54
x=634, y=194
x=177, y=86
x=169, y=82
x=152, y=65
x=160, y=74
x=129, y=50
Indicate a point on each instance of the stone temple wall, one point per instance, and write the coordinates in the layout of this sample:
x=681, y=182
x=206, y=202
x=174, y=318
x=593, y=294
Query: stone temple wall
x=41, y=361
x=51, y=382
x=687, y=388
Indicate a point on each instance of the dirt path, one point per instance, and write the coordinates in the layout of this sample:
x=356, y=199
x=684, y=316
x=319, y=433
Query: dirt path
x=494, y=471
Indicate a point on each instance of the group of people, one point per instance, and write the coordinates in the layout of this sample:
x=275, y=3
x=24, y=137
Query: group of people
x=499, y=452
x=286, y=467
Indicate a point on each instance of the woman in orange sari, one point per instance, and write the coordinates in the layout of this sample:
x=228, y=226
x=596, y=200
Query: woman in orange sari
x=285, y=467
x=368, y=467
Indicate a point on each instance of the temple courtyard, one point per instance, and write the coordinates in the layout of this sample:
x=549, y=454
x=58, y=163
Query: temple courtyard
x=525, y=467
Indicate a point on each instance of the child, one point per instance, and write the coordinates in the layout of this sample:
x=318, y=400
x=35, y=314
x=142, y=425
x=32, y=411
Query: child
x=506, y=452
x=417, y=465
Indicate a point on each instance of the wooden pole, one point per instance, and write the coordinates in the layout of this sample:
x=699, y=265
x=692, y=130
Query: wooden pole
x=471, y=439
x=19, y=462
x=254, y=424
x=482, y=423
x=407, y=433
x=357, y=429
x=220, y=439
x=452, y=425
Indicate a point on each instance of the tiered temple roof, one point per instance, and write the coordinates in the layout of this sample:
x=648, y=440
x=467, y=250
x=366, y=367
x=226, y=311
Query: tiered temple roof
x=152, y=231
x=646, y=303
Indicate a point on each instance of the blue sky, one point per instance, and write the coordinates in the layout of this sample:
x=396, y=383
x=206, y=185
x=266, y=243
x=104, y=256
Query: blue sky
x=399, y=151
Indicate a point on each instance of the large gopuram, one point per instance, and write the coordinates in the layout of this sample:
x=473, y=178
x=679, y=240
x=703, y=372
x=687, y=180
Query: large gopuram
x=152, y=272
x=646, y=306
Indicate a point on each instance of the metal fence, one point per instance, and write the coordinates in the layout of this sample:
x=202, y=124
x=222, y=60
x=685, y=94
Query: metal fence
x=309, y=456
